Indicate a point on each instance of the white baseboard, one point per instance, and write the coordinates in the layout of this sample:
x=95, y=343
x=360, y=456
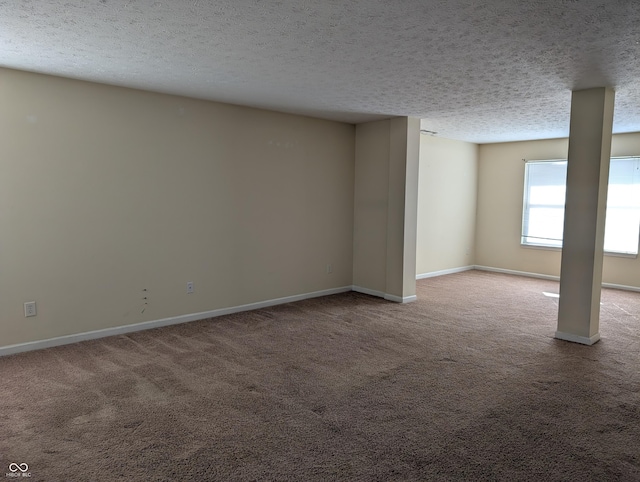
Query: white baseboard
x=577, y=339
x=400, y=299
x=386, y=296
x=367, y=291
x=147, y=325
x=518, y=273
x=621, y=287
x=551, y=277
x=443, y=272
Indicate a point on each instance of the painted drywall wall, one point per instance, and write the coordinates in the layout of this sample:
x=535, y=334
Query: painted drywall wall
x=404, y=152
x=107, y=192
x=446, y=204
x=411, y=190
x=371, y=192
x=500, y=199
x=385, y=205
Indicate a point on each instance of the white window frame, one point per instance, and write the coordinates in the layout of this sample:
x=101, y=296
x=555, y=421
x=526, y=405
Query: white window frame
x=555, y=244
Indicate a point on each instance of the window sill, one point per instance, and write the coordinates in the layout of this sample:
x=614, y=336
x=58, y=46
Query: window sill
x=555, y=248
x=540, y=246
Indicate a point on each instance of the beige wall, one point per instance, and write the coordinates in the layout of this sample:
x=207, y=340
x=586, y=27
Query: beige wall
x=402, y=207
x=371, y=192
x=411, y=164
x=105, y=192
x=500, y=198
x=385, y=193
x=446, y=204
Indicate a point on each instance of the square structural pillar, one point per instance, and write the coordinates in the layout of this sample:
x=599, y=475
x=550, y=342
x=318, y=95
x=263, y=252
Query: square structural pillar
x=402, y=209
x=386, y=208
x=584, y=215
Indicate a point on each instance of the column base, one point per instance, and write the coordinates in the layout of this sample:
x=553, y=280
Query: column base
x=583, y=340
x=400, y=299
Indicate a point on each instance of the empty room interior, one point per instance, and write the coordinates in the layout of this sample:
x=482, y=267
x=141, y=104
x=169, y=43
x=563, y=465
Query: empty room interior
x=312, y=240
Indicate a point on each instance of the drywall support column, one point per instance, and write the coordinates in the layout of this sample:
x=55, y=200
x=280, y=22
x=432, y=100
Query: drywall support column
x=385, y=208
x=402, y=208
x=585, y=209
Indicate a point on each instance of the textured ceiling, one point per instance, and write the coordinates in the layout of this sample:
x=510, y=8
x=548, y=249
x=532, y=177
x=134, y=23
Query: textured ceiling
x=487, y=71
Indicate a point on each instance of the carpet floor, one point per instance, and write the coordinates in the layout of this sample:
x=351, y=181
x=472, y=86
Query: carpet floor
x=467, y=383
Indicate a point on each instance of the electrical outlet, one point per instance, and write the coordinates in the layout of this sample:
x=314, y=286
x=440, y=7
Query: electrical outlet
x=329, y=269
x=189, y=287
x=30, y=309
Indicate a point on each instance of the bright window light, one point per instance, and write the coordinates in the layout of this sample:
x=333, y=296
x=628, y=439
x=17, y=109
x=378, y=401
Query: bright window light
x=544, y=198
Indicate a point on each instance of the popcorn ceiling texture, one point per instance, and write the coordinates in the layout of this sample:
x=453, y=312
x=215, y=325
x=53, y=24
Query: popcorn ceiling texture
x=477, y=71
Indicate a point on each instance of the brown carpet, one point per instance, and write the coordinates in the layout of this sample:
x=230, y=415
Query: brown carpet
x=465, y=384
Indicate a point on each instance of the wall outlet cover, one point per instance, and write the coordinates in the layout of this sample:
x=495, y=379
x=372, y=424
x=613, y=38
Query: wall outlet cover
x=30, y=309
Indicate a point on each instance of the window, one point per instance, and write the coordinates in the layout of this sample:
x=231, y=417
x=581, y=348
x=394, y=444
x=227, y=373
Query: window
x=544, y=197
